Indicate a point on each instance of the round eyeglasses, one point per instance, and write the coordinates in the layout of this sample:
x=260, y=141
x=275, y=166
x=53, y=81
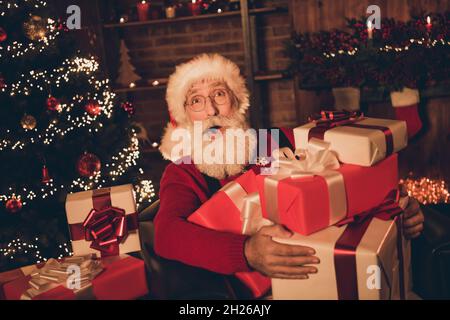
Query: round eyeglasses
x=198, y=103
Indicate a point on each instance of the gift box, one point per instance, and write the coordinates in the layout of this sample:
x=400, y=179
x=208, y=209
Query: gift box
x=112, y=278
x=11, y=275
x=355, y=139
x=236, y=209
x=364, y=260
x=309, y=190
x=103, y=221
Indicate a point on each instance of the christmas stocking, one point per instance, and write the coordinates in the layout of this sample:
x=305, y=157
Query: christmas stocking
x=406, y=104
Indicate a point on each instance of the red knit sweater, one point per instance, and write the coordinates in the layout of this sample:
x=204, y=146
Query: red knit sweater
x=183, y=189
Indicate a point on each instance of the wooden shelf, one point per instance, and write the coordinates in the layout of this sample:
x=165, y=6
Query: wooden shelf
x=271, y=75
x=379, y=95
x=193, y=18
x=261, y=76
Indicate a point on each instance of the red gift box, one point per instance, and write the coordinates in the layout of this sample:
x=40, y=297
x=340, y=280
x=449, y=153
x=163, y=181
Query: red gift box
x=224, y=212
x=123, y=278
x=311, y=203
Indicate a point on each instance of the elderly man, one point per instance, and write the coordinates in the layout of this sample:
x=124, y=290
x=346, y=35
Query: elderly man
x=210, y=90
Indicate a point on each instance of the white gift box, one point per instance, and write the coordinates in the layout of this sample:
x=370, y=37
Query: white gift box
x=119, y=202
x=356, y=145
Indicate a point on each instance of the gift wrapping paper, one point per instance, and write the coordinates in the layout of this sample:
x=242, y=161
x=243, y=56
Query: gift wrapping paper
x=236, y=209
x=365, y=260
x=103, y=221
x=307, y=198
x=112, y=278
x=363, y=142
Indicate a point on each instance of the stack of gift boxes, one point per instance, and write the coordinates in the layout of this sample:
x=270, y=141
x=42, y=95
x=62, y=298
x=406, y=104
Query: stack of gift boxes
x=338, y=192
x=104, y=228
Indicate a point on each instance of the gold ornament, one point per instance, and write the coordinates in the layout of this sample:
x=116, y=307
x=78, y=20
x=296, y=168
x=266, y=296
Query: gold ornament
x=35, y=28
x=28, y=122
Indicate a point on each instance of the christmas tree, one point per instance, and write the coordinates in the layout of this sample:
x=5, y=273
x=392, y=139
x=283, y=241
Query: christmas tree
x=61, y=131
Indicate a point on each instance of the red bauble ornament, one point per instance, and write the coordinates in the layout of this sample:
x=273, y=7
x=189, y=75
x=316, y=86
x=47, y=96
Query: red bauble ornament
x=53, y=104
x=3, y=35
x=45, y=176
x=128, y=108
x=88, y=164
x=13, y=205
x=93, y=108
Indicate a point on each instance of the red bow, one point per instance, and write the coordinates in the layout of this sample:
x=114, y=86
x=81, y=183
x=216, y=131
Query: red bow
x=387, y=210
x=331, y=119
x=105, y=228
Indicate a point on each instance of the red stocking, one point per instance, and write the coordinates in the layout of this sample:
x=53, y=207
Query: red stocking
x=406, y=103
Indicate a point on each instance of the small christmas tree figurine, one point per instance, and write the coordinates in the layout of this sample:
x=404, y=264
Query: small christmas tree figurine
x=127, y=75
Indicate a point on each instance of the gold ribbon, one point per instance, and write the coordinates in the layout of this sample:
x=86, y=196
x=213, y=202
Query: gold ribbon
x=249, y=207
x=251, y=215
x=54, y=274
x=316, y=160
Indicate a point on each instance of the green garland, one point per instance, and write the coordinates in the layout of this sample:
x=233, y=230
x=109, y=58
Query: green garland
x=401, y=54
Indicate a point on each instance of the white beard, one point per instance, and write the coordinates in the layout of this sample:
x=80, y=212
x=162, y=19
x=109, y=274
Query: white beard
x=224, y=167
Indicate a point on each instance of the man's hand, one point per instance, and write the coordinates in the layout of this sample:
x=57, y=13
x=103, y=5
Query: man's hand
x=413, y=217
x=278, y=260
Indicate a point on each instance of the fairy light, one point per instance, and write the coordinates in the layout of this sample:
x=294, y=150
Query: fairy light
x=6, y=6
x=144, y=192
x=17, y=49
x=426, y=190
x=18, y=246
x=388, y=48
x=120, y=163
x=40, y=80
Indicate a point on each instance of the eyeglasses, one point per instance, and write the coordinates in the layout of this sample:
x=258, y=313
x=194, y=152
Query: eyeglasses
x=198, y=103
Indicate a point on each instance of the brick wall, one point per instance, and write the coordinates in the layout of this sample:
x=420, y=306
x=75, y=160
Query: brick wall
x=156, y=50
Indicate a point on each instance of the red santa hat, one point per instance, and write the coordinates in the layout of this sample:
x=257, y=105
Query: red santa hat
x=212, y=66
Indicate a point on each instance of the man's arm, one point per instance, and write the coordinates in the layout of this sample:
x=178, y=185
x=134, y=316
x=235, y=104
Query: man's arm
x=178, y=239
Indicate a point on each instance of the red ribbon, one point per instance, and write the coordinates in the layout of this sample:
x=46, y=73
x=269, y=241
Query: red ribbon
x=345, y=247
x=105, y=226
x=331, y=119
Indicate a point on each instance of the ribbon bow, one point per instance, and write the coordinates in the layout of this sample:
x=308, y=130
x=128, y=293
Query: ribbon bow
x=105, y=228
x=331, y=119
x=315, y=159
x=54, y=274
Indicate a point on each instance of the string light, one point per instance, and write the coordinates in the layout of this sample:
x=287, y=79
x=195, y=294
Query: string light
x=6, y=6
x=18, y=246
x=41, y=79
x=120, y=163
x=144, y=191
x=17, y=49
x=426, y=190
x=387, y=48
